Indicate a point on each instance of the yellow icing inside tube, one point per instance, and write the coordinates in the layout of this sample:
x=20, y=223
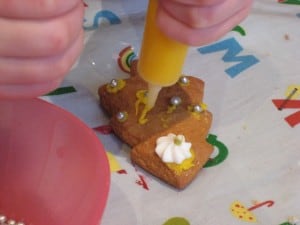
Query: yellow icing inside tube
x=161, y=59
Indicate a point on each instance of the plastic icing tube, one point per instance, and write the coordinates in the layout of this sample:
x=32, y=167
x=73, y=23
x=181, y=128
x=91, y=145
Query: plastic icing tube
x=161, y=59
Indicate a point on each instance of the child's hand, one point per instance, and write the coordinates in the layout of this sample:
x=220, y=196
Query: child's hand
x=199, y=22
x=40, y=41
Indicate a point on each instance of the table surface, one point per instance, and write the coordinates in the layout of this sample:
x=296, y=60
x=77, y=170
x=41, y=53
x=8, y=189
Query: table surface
x=249, y=74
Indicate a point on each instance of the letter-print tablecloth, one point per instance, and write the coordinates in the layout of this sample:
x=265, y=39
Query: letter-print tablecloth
x=252, y=78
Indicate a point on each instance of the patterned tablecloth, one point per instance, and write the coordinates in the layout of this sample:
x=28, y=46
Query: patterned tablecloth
x=252, y=86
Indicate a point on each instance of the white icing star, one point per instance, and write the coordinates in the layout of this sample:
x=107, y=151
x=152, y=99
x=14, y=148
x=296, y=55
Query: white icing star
x=173, y=148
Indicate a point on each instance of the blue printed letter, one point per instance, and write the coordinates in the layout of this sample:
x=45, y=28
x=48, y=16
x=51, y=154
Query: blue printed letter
x=233, y=49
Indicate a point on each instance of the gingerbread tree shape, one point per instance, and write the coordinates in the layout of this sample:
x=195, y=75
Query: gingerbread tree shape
x=178, y=110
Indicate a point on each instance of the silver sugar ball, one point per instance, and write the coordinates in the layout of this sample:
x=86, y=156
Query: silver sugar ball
x=197, y=108
x=121, y=116
x=114, y=83
x=176, y=100
x=2, y=219
x=11, y=222
x=184, y=80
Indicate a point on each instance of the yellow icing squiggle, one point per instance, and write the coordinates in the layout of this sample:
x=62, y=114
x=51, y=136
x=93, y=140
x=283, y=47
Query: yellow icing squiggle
x=142, y=99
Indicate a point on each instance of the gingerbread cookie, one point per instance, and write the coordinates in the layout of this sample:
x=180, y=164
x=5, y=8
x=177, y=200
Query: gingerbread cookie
x=170, y=140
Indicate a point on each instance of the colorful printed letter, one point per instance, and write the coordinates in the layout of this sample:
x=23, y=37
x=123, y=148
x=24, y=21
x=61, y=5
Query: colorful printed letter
x=294, y=118
x=233, y=49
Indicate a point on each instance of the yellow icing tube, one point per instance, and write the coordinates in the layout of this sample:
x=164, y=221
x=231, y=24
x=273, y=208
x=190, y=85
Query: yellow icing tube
x=161, y=59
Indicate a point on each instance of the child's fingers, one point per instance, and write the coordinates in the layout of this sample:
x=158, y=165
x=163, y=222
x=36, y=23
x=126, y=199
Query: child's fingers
x=35, y=70
x=197, y=36
x=28, y=91
x=33, y=9
x=199, y=16
x=33, y=38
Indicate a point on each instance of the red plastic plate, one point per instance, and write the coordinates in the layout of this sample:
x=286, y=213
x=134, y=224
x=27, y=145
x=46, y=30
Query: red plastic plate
x=53, y=168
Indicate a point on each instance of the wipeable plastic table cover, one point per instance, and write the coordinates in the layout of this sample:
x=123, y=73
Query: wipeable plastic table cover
x=252, y=87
